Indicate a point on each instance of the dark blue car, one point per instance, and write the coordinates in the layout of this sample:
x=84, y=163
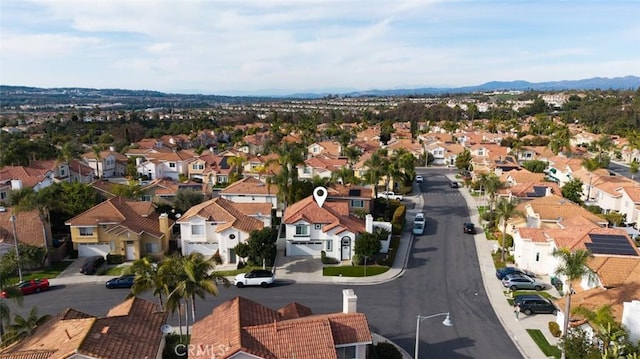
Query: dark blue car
x=503, y=272
x=125, y=281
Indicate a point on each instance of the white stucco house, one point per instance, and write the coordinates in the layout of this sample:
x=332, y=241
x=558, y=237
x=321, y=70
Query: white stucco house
x=313, y=225
x=251, y=190
x=218, y=225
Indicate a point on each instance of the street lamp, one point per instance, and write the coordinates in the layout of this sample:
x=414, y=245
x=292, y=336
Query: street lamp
x=15, y=241
x=446, y=322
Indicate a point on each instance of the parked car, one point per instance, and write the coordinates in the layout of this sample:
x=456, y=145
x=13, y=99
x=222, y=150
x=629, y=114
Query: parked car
x=469, y=228
x=124, y=281
x=390, y=195
x=455, y=184
x=419, y=179
x=30, y=287
x=261, y=277
x=518, y=281
x=419, y=224
x=535, y=304
x=502, y=272
x=92, y=264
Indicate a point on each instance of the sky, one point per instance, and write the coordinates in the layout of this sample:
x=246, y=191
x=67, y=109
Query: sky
x=231, y=47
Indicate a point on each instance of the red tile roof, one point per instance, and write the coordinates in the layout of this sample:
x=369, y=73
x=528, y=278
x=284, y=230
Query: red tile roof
x=225, y=211
x=335, y=215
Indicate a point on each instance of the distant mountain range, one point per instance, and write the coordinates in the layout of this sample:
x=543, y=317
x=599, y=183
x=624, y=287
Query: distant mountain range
x=22, y=95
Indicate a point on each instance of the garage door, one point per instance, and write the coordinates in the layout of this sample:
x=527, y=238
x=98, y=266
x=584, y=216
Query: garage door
x=207, y=249
x=93, y=249
x=305, y=249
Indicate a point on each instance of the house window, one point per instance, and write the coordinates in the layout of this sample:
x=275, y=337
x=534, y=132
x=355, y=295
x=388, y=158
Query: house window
x=86, y=231
x=329, y=246
x=197, y=229
x=150, y=247
x=317, y=226
x=3, y=195
x=302, y=230
x=172, y=165
x=357, y=203
x=146, y=198
x=307, y=170
x=112, y=246
x=346, y=352
x=538, y=257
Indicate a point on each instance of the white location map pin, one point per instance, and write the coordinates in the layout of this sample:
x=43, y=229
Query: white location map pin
x=320, y=195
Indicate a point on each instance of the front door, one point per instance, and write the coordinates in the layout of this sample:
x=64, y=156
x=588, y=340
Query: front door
x=232, y=255
x=130, y=251
x=346, y=248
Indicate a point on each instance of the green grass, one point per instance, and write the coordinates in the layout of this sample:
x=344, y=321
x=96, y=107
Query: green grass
x=547, y=349
x=353, y=271
x=53, y=272
x=113, y=271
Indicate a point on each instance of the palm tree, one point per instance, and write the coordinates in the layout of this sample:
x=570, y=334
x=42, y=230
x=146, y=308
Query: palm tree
x=14, y=294
x=345, y=174
x=24, y=327
x=492, y=185
x=27, y=199
x=353, y=154
x=147, y=278
x=375, y=170
x=633, y=168
x=289, y=156
x=573, y=266
x=505, y=210
x=602, y=319
x=96, y=151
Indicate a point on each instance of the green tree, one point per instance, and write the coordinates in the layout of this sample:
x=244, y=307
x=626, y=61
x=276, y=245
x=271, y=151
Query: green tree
x=13, y=293
x=633, y=168
x=75, y=198
x=353, y=154
x=187, y=198
x=577, y=344
x=491, y=184
x=375, y=165
x=572, y=190
x=463, y=160
x=344, y=175
x=367, y=245
x=132, y=190
x=505, y=210
x=535, y=166
x=23, y=327
x=147, y=278
x=262, y=246
x=572, y=266
x=289, y=155
x=97, y=152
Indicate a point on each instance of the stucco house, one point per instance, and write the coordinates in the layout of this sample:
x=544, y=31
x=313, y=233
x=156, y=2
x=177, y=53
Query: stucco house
x=242, y=328
x=122, y=227
x=251, y=190
x=218, y=225
x=313, y=225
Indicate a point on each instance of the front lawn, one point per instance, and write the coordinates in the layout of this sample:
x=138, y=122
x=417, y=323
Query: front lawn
x=353, y=271
x=547, y=349
x=53, y=272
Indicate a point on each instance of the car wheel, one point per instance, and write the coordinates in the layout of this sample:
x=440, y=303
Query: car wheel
x=109, y=287
x=264, y=284
x=513, y=288
x=240, y=285
x=527, y=311
x=38, y=290
x=538, y=288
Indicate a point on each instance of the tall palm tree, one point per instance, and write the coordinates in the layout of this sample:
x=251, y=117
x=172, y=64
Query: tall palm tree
x=505, y=210
x=491, y=184
x=24, y=327
x=345, y=174
x=289, y=155
x=572, y=266
x=376, y=165
x=97, y=152
x=147, y=278
x=353, y=154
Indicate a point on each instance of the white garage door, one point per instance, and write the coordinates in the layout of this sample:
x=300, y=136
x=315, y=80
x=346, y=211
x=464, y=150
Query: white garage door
x=305, y=249
x=93, y=249
x=207, y=249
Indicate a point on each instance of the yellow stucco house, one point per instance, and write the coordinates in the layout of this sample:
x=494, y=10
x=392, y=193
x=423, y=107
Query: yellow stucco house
x=122, y=227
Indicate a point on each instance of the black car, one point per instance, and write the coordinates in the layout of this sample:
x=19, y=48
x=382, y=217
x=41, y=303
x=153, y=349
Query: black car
x=125, y=281
x=469, y=228
x=91, y=264
x=455, y=184
x=535, y=304
x=503, y=272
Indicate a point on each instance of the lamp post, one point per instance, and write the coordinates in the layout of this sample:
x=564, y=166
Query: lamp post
x=446, y=322
x=15, y=241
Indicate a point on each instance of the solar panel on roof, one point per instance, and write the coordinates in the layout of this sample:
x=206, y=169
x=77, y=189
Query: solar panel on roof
x=354, y=192
x=608, y=238
x=611, y=248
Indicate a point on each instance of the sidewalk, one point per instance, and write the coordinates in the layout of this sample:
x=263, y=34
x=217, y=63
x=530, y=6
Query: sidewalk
x=309, y=270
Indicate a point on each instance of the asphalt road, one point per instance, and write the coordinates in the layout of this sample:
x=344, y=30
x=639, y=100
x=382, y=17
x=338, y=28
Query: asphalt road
x=621, y=170
x=442, y=276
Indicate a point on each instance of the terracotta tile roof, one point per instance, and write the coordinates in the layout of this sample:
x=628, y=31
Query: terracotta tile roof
x=176, y=156
x=326, y=163
x=534, y=234
x=529, y=189
x=250, y=185
x=410, y=145
x=104, y=187
x=241, y=325
x=30, y=354
x=335, y=215
x=554, y=207
x=224, y=212
x=329, y=148
x=614, y=271
x=118, y=212
x=595, y=298
x=633, y=193
x=28, y=227
x=130, y=330
x=339, y=190
x=522, y=176
x=252, y=209
x=27, y=175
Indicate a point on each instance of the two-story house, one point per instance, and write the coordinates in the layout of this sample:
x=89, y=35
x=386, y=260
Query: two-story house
x=252, y=190
x=165, y=165
x=122, y=227
x=107, y=163
x=218, y=225
x=320, y=166
x=164, y=190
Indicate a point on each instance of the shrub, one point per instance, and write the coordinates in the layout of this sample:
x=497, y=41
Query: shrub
x=327, y=260
x=397, y=221
x=554, y=328
x=509, y=240
x=387, y=351
x=217, y=259
x=115, y=258
x=491, y=218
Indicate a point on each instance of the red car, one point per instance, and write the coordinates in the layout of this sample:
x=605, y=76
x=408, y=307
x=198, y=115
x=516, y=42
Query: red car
x=32, y=286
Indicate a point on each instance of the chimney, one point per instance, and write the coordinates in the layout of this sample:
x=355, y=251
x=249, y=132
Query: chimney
x=164, y=228
x=112, y=148
x=16, y=184
x=349, y=301
x=368, y=224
